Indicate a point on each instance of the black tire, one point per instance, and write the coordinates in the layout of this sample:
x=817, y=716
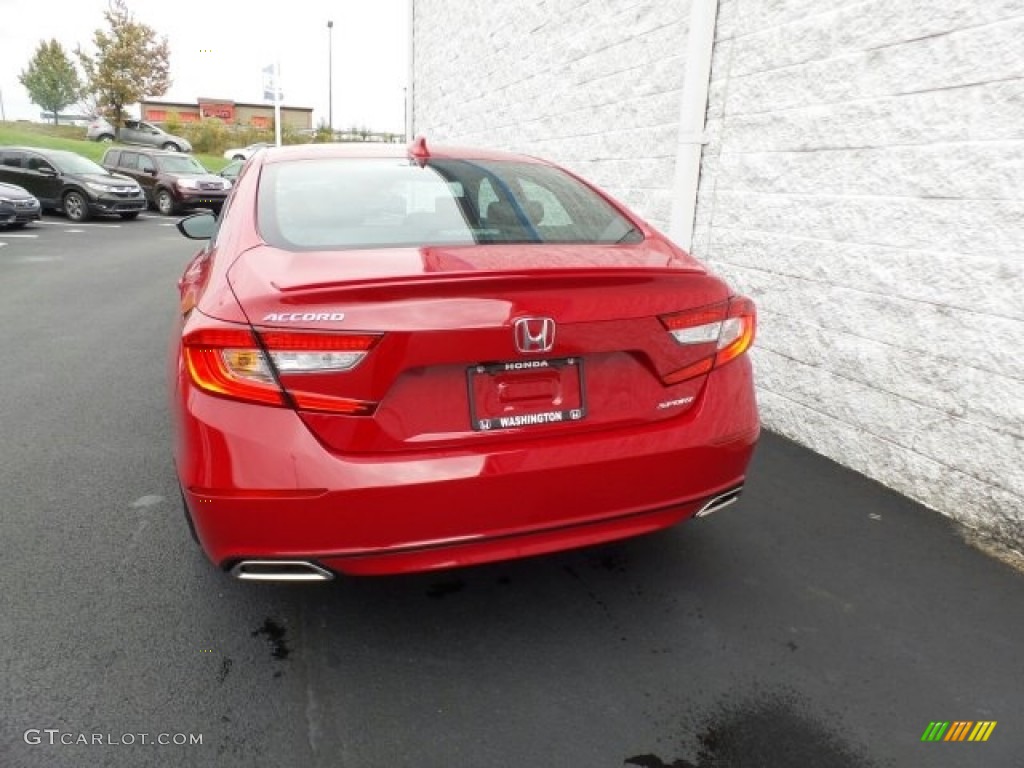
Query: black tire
x=238, y=157
x=106, y=138
x=17, y=224
x=76, y=207
x=170, y=146
x=165, y=202
x=129, y=215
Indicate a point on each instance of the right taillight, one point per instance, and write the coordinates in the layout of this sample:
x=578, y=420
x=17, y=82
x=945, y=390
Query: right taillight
x=737, y=332
x=233, y=363
x=724, y=330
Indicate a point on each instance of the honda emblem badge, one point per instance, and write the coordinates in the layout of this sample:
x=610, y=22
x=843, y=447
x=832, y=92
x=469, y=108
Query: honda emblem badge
x=535, y=334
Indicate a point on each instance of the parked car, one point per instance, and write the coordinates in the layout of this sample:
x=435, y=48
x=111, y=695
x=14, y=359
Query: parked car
x=71, y=183
x=137, y=132
x=172, y=182
x=231, y=170
x=17, y=207
x=392, y=360
x=244, y=153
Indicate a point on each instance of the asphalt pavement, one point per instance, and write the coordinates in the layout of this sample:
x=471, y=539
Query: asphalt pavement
x=822, y=621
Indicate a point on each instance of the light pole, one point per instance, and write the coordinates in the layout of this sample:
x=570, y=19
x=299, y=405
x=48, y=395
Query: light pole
x=330, y=77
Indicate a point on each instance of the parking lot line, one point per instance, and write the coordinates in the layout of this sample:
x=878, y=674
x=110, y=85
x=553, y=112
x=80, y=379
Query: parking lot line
x=100, y=226
x=4, y=234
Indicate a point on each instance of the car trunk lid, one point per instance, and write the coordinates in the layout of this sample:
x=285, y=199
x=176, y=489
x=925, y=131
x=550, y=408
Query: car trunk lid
x=483, y=343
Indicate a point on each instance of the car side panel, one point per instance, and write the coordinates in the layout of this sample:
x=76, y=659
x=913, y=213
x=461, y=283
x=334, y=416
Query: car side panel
x=47, y=189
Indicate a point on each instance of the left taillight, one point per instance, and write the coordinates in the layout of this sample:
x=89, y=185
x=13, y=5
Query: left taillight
x=234, y=363
x=722, y=332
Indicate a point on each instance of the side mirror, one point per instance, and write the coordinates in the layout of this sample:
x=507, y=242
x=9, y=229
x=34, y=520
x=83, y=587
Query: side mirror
x=198, y=226
x=151, y=171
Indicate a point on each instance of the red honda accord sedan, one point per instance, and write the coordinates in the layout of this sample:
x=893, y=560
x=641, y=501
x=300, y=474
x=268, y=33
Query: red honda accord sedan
x=393, y=359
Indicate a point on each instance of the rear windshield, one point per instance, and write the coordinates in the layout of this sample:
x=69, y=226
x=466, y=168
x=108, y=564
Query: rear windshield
x=366, y=203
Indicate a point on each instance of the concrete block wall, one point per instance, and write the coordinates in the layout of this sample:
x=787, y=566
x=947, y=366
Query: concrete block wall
x=863, y=181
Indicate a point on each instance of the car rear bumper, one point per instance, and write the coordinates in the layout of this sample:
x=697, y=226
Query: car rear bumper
x=115, y=204
x=20, y=215
x=201, y=198
x=260, y=486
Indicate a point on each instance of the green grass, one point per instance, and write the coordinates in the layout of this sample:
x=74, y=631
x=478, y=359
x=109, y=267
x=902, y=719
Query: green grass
x=73, y=139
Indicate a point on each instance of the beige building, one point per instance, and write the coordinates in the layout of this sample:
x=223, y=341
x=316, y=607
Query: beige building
x=230, y=112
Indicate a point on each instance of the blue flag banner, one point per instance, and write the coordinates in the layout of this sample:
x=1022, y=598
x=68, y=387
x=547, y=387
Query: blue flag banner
x=270, y=86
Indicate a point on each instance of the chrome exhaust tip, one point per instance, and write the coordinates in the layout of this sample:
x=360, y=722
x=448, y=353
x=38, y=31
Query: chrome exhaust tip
x=719, y=501
x=280, y=570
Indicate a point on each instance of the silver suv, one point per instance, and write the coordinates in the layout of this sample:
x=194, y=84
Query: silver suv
x=137, y=132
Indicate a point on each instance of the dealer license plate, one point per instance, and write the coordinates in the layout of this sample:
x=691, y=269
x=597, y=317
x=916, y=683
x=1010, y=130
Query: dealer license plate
x=526, y=393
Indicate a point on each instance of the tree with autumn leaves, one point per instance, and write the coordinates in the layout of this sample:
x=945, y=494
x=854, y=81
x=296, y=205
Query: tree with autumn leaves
x=51, y=79
x=130, y=63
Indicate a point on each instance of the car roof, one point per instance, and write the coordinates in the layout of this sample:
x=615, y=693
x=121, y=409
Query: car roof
x=44, y=151
x=144, y=151
x=381, y=150
x=40, y=150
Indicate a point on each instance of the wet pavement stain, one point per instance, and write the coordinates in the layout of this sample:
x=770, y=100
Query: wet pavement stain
x=774, y=732
x=225, y=668
x=274, y=633
x=653, y=761
x=586, y=588
x=613, y=562
x=443, y=588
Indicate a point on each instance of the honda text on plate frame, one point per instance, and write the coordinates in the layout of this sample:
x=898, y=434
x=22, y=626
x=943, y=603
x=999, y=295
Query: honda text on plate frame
x=394, y=359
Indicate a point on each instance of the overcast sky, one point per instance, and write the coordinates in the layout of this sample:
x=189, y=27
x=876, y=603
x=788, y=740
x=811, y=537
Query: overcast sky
x=219, y=48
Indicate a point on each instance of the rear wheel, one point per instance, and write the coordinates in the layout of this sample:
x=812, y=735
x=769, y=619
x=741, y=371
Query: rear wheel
x=76, y=207
x=238, y=157
x=129, y=215
x=170, y=147
x=106, y=138
x=17, y=224
x=165, y=203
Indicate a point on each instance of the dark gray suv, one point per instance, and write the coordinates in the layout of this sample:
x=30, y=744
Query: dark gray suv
x=71, y=183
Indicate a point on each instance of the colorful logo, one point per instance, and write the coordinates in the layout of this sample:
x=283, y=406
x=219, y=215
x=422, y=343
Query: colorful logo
x=959, y=730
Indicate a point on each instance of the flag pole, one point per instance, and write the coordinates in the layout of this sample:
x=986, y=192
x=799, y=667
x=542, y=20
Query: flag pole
x=277, y=102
